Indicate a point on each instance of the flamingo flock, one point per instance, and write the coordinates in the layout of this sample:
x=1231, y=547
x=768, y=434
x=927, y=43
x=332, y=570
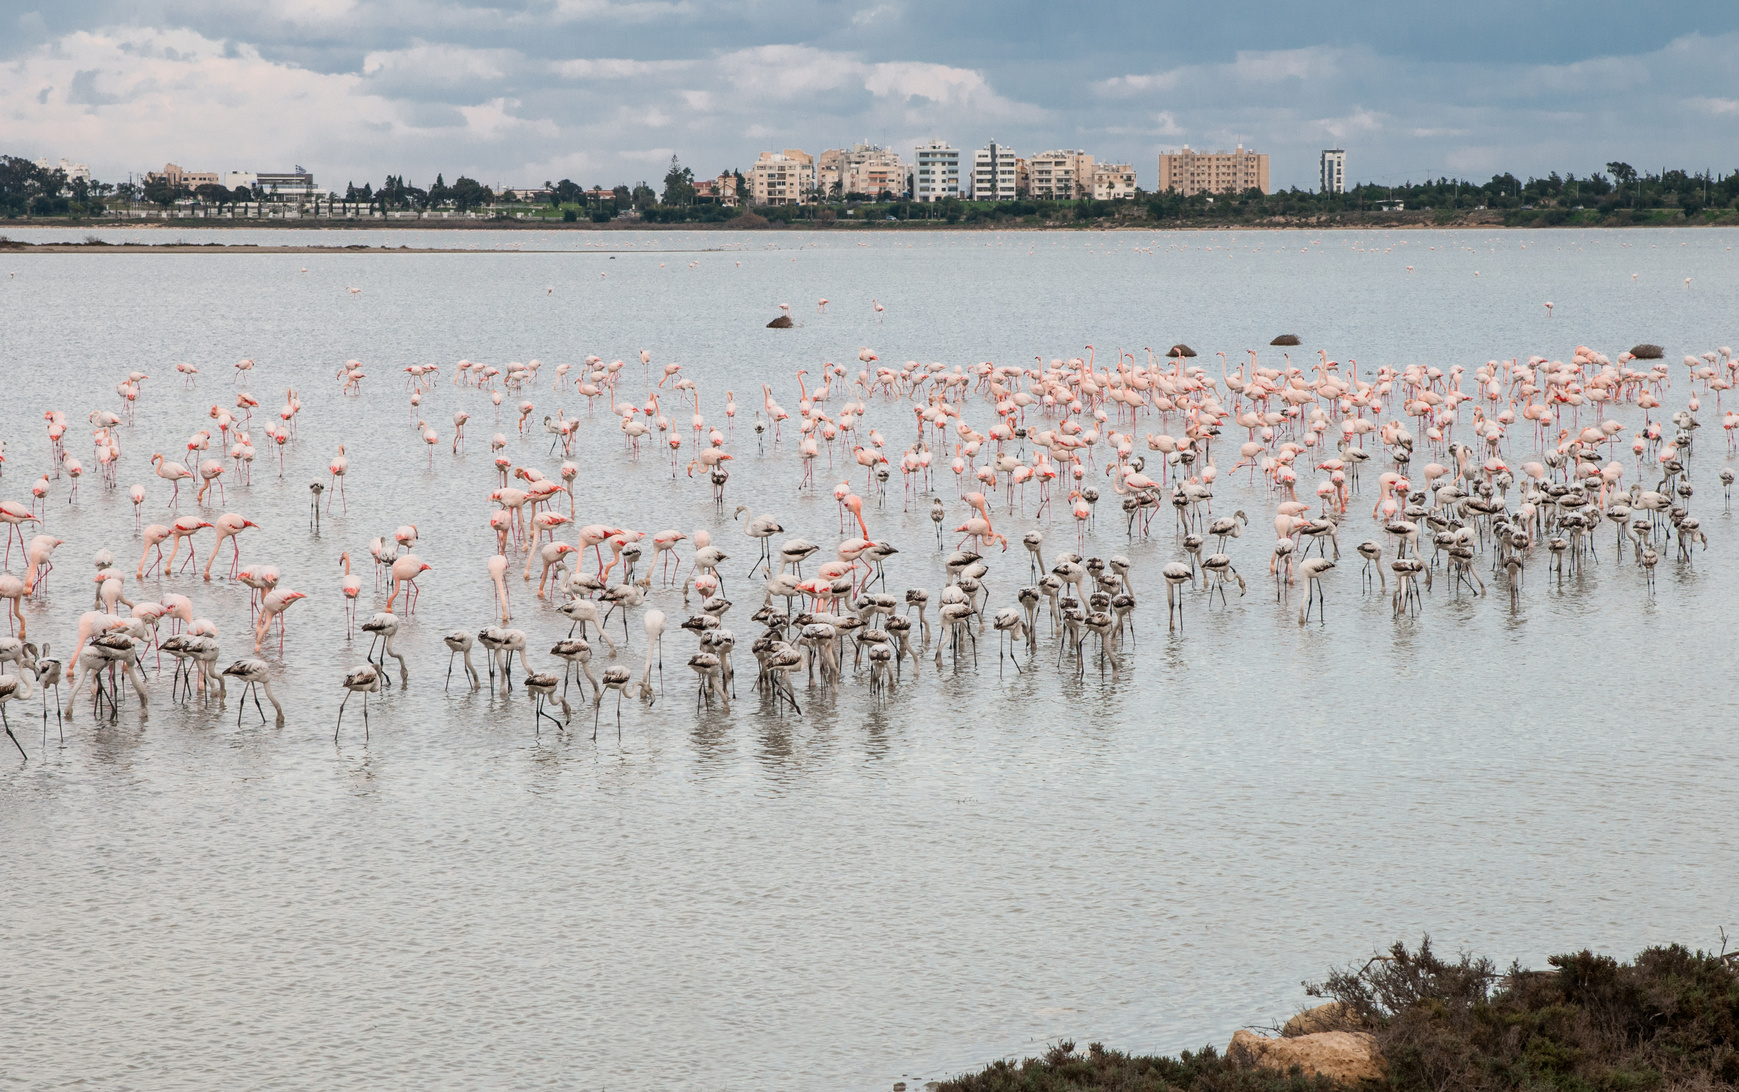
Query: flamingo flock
x=1475, y=474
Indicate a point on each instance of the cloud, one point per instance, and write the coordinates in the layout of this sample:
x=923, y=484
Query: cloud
x=137, y=98
x=425, y=65
x=616, y=68
x=82, y=91
x=1120, y=86
x=880, y=13
x=1358, y=122
x=507, y=90
x=1717, y=107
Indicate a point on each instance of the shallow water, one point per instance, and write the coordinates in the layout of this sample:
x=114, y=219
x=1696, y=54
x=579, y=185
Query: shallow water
x=983, y=863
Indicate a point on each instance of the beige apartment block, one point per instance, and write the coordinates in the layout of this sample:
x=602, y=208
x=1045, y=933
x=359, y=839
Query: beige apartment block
x=1190, y=172
x=782, y=178
x=175, y=176
x=863, y=170
x=1113, y=182
x=1059, y=175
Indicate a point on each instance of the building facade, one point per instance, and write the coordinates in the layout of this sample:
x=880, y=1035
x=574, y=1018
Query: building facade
x=1334, y=170
x=994, y=174
x=782, y=178
x=285, y=186
x=937, y=174
x=73, y=171
x=179, y=178
x=1060, y=176
x=717, y=191
x=1113, y=182
x=1190, y=172
x=863, y=170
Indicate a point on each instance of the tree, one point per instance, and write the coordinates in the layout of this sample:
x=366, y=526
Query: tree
x=1623, y=172
x=19, y=183
x=439, y=194
x=643, y=198
x=159, y=191
x=678, y=184
x=565, y=192
x=213, y=194
x=468, y=193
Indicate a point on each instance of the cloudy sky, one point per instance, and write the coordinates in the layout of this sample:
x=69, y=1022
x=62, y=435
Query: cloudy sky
x=604, y=91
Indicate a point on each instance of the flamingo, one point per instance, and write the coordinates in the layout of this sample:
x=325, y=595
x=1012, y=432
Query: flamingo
x=171, y=472
x=229, y=526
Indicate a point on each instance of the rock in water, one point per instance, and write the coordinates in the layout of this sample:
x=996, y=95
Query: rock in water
x=1349, y=1056
x=783, y=322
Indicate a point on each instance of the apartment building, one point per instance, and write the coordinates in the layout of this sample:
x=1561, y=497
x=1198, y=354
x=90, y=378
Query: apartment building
x=937, y=174
x=1190, y=172
x=1113, y=182
x=1059, y=176
x=863, y=170
x=782, y=178
x=1334, y=171
x=73, y=171
x=175, y=176
x=994, y=173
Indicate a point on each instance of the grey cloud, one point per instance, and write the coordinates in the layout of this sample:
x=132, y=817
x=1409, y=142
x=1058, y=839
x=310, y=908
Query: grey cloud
x=82, y=91
x=432, y=115
x=507, y=91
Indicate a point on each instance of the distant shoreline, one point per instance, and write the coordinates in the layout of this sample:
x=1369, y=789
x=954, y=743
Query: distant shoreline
x=14, y=246
x=182, y=246
x=1477, y=219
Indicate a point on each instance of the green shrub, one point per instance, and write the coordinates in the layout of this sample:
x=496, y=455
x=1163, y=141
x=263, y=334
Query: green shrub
x=1667, y=1020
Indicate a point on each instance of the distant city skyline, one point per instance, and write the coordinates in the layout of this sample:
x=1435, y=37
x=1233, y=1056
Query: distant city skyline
x=602, y=91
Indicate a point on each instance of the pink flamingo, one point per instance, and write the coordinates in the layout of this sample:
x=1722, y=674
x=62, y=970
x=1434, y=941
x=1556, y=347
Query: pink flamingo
x=229, y=525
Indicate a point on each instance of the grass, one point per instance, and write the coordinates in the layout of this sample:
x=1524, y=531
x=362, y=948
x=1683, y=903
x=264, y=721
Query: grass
x=1665, y=1021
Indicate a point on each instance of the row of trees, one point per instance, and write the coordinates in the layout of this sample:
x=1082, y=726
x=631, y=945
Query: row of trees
x=395, y=193
x=1620, y=194
x=29, y=190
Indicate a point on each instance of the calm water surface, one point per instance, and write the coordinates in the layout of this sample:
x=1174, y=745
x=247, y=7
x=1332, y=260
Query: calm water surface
x=981, y=864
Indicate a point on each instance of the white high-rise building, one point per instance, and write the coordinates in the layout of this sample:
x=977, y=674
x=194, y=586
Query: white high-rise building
x=937, y=175
x=993, y=173
x=71, y=169
x=1334, y=170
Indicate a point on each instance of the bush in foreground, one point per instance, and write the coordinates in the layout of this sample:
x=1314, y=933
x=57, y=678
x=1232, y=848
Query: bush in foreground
x=1667, y=1020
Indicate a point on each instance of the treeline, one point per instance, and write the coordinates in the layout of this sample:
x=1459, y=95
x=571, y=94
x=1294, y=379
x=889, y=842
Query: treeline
x=29, y=190
x=1620, y=195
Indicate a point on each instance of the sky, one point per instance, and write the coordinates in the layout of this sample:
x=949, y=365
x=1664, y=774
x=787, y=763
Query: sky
x=606, y=91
